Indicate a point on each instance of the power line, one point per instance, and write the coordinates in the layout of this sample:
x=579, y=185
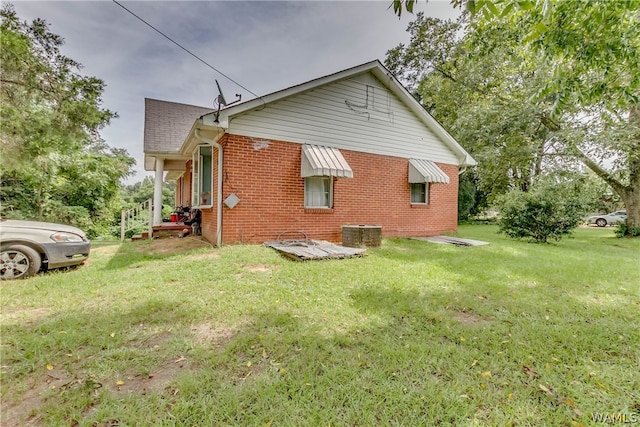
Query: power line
x=185, y=49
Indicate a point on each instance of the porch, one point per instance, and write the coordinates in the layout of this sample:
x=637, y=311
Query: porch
x=141, y=217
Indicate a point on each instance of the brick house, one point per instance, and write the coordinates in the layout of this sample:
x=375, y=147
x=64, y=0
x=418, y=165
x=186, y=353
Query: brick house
x=353, y=147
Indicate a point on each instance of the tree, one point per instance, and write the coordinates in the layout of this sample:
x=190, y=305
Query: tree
x=469, y=198
x=481, y=92
x=54, y=164
x=143, y=190
x=595, y=82
x=593, y=85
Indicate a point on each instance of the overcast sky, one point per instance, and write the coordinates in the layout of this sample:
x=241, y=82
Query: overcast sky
x=264, y=46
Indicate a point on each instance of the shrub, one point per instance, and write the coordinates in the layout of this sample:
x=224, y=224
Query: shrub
x=623, y=230
x=547, y=211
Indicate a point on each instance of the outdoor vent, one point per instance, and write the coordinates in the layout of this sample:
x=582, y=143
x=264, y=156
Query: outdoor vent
x=231, y=201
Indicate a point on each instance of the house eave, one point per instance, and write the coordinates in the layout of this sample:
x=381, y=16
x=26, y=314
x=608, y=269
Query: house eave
x=212, y=130
x=172, y=160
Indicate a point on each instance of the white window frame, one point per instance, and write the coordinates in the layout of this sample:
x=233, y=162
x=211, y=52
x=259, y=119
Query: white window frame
x=197, y=171
x=425, y=186
x=328, y=198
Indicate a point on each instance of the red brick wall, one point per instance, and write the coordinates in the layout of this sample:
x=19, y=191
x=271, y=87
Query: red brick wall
x=267, y=181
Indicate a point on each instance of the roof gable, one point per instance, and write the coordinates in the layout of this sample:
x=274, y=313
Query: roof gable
x=375, y=80
x=167, y=124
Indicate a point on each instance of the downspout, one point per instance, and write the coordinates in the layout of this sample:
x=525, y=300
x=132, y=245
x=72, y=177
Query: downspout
x=219, y=198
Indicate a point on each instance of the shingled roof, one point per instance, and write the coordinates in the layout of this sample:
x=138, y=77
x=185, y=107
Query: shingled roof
x=167, y=124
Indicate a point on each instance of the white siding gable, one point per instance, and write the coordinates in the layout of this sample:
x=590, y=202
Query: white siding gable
x=357, y=113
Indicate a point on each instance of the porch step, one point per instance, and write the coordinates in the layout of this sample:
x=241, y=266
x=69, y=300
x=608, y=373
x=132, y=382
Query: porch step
x=142, y=236
x=173, y=230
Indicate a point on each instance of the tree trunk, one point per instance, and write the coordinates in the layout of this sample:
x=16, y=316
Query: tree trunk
x=631, y=196
x=632, y=203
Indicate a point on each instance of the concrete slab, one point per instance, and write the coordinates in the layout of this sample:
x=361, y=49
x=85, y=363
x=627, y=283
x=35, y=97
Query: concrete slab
x=448, y=240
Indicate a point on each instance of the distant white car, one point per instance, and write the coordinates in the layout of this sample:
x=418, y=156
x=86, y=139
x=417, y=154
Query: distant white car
x=27, y=247
x=612, y=218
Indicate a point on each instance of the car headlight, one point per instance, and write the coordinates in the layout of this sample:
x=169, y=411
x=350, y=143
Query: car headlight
x=61, y=237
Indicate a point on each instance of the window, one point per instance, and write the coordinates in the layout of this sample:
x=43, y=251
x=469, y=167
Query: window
x=318, y=192
x=202, y=176
x=420, y=193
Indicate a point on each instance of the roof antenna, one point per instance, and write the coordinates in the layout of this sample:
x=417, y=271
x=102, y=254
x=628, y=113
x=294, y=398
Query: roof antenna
x=222, y=103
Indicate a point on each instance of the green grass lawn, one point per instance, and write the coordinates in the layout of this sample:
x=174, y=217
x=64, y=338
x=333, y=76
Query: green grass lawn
x=413, y=334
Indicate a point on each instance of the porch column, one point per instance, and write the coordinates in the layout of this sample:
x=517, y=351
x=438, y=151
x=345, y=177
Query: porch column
x=157, y=192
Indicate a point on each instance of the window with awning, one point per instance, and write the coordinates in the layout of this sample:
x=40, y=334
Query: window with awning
x=318, y=160
x=426, y=171
x=319, y=166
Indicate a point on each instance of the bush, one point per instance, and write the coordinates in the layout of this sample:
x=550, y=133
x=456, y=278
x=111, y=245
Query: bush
x=547, y=211
x=78, y=216
x=623, y=230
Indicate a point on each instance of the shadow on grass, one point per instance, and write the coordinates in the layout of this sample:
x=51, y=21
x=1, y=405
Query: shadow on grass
x=410, y=366
x=405, y=352
x=412, y=359
x=517, y=263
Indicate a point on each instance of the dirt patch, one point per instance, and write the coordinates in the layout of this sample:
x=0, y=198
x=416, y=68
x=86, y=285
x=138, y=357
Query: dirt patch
x=217, y=335
x=171, y=246
x=28, y=315
x=155, y=341
x=155, y=382
x=106, y=249
x=259, y=268
x=208, y=255
x=595, y=300
x=24, y=412
x=469, y=319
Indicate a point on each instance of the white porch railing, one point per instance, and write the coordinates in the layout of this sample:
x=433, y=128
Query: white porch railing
x=137, y=217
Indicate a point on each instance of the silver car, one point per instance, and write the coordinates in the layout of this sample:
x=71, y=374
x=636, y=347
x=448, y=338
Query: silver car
x=27, y=247
x=612, y=218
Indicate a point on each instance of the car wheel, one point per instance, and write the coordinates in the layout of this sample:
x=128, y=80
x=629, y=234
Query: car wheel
x=601, y=222
x=19, y=262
